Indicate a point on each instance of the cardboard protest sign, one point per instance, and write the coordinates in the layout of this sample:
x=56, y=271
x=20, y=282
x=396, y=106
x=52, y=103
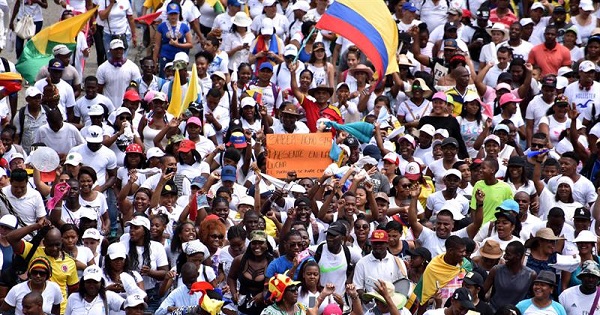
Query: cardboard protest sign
x=306, y=154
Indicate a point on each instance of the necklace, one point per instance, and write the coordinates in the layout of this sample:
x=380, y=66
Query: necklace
x=88, y=305
x=293, y=311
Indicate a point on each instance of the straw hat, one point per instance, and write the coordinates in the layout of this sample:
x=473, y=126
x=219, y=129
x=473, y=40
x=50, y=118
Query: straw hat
x=544, y=234
x=362, y=68
x=404, y=61
x=426, y=90
x=399, y=299
x=499, y=27
x=491, y=249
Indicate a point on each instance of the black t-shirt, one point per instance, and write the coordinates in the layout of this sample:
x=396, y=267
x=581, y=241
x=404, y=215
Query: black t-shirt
x=484, y=308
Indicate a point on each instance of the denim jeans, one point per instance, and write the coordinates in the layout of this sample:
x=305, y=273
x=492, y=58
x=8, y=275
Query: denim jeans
x=20, y=43
x=106, y=40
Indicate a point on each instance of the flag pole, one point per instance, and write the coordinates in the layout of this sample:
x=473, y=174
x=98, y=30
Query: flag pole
x=304, y=43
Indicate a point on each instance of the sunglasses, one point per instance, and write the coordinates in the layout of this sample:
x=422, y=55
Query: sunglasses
x=363, y=226
x=38, y=273
x=125, y=118
x=292, y=288
x=217, y=236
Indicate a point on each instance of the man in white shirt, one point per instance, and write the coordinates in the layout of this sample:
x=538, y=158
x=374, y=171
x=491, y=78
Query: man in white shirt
x=504, y=56
x=580, y=300
x=102, y=159
x=27, y=204
x=281, y=72
x=520, y=47
x=70, y=74
x=59, y=136
x=289, y=121
x=114, y=75
x=67, y=96
x=280, y=21
x=378, y=265
x=168, y=164
x=81, y=111
x=585, y=93
x=538, y=106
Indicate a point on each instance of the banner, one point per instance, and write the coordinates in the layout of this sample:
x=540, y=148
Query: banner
x=306, y=154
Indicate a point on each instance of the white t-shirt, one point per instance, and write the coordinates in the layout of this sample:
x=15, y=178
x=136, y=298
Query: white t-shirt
x=232, y=40
x=152, y=181
x=117, y=22
x=67, y=137
x=577, y=303
x=99, y=205
x=521, y=51
x=101, y=161
x=82, y=107
x=435, y=202
x=584, y=99
x=193, y=171
x=29, y=208
x=158, y=258
x=51, y=296
x=117, y=79
x=536, y=109
x=77, y=305
x=333, y=267
x=280, y=22
x=436, y=245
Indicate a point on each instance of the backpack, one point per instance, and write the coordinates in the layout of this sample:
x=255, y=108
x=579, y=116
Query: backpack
x=22, y=118
x=350, y=268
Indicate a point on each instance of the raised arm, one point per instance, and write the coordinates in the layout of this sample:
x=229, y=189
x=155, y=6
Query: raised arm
x=413, y=220
x=477, y=214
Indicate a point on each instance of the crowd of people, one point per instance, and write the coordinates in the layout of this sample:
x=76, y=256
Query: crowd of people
x=465, y=182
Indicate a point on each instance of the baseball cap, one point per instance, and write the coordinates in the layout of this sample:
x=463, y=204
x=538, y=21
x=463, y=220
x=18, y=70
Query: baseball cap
x=186, y=146
x=116, y=250
x=194, y=121
x=181, y=56
x=92, y=233
x=559, y=9
x=173, y=8
x=15, y=156
x=392, y=158
x=562, y=71
x=421, y=252
x=194, y=247
x=9, y=221
x=509, y=205
x=228, y=173
x=501, y=127
x=491, y=138
x=198, y=182
x=504, y=86
x=409, y=6
x=537, y=5
x=450, y=43
x=440, y=96
x=580, y=213
x=154, y=153
x=383, y=196
x=586, y=66
x=247, y=101
x=266, y=65
x=586, y=236
x=134, y=148
x=131, y=95
x=301, y=5
x=336, y=228
x=32, y=91
x=589, y=267
x=454, y=10
x=508, y=98
x=428, y=129
x=169, y=189
x=116, y=43
x=450, y=141
x=442, y=132
x=134, y=300
x=95, y=134
x=218, y=74
x=504, y=77
x=454, y=172
x=454, y=207
x=92, y=272
x=96, y=110
x=238, y=140
x=258, y=236
x=379, y=236
x=159, y=96
x=291, y=49
x=413, y=171
x=246, y=200
x=88, y=213
x=450, y=26
x=463, y=296
x=333, y=308
x=473, y=278
x=61, y=50
x=408, y=138
x=56, y=64
x=526, y=21
x=139, y=221
x=372, y=151
x=267, y=27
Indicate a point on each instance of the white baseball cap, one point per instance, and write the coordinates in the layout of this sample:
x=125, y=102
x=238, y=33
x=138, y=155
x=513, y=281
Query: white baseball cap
x=442, y=132
x=88, y=213
x=247, y=101
x=181, y=56
x=246, y=200
x=96, y=110
x=116, y=43
x=139, y=221
x=428, y=129
x=61, y=50
x=95, y=135
x=267, y=27
x=15, y=156
x=32, y=91
x=586, y=66
x=194, y=247
x=301, y=5
x=135, y=300
x=537, y=5
x=290, y=50
x=454, y=172
x=92, y=272
x=116, y=250
x=92, y=233
x=9, y=221
x=154, y=152
x=73, y=158
x=454, y=207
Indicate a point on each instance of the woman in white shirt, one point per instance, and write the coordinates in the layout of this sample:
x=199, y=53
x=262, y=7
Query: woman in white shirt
x=237, y=42
x=117, y=276
x=39, y=281
x=117, y=17
x=90, y=198
x=72, y=245
x=562, y=199
x=554, y=123
x=93, y=298
x=27, y=7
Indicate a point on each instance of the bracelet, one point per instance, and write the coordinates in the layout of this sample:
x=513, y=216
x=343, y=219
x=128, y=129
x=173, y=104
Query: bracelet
x=479, y=205
x=354, y=297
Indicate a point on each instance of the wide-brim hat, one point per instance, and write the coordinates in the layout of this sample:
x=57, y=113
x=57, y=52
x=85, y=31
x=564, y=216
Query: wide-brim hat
x=241, y=19
x=498, y=27
x=312, y=91
x=398, y=299
x=427, y=92
x=544, y=234
x=361, y=68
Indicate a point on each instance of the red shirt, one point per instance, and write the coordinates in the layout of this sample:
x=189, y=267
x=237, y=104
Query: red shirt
x=508, y=19
x=314, y=112
x=550, y=60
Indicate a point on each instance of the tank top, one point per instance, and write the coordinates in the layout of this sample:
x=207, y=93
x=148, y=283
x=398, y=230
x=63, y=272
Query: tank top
x=510, y=288
x=149, y=135
x=319, y=74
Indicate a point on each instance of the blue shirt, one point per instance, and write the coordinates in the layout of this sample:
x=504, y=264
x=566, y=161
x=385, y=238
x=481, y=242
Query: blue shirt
x=179, y=297
x=528, y=308
x=167, y=32
x=279, y=266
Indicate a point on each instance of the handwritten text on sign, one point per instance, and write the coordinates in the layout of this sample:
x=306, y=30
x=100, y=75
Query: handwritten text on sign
x=306, y=154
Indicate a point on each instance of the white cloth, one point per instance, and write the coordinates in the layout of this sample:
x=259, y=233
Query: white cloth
x=51, y=296
x=116, y=79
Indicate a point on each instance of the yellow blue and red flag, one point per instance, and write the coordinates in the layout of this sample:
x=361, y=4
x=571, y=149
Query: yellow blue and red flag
x=369, y=27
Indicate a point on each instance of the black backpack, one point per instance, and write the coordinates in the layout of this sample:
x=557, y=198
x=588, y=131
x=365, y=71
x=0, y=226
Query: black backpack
x=350, y=267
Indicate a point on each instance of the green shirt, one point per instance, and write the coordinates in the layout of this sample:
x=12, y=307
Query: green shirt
x=494, y=195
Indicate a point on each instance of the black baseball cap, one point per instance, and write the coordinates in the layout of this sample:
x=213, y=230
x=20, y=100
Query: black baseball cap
x=463, y=296
x=421, y=252
x=473, y=278
x=582, y=213
x=337, y=228
x=351, y=142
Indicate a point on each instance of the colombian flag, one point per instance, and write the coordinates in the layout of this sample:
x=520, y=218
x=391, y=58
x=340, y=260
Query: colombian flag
x=38, y=50
x=217, y=6
x=370, y=27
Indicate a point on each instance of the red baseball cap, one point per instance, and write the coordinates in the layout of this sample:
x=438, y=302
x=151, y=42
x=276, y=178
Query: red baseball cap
x=134, y=148
x=132, y=95
x=379, y=236
x=186, y=146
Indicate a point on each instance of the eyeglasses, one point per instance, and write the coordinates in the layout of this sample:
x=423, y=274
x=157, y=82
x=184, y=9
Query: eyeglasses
x=406, y=186
x=125, y=118
x=292, y=288
x=217, y=236
x=363, y=227
x=39, y=273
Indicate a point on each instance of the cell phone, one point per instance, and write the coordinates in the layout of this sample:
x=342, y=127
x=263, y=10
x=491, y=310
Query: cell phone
x=170, y=170
x=303, y=254
x=202, y=201
x=312, y=301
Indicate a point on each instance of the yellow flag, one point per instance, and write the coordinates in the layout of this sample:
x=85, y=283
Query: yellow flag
x=175, y=101
x=192, y=92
